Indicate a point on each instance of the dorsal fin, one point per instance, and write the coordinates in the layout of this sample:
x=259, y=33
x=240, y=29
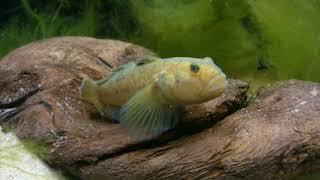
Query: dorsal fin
x=125, y=67
x=147, y=60
x=115, y=71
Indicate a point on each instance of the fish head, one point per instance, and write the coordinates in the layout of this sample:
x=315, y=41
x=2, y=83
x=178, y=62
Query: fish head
x=195, y=81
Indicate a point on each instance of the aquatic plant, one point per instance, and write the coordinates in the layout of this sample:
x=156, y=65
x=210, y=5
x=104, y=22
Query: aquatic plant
x=37, y=20
x=40, y=25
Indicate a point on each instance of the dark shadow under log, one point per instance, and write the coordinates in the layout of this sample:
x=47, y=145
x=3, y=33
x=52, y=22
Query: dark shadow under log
x=276, y=136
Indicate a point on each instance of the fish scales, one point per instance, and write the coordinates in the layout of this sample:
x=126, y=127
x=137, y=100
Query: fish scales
x=150, y=94
x=125, y=84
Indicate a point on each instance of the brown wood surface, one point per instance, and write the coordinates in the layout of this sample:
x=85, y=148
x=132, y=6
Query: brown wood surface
x=275, y=136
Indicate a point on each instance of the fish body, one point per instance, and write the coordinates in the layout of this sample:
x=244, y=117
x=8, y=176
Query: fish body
x=147, y=96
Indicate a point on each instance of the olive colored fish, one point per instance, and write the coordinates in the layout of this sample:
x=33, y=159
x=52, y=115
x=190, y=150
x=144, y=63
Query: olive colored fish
x=147, y=96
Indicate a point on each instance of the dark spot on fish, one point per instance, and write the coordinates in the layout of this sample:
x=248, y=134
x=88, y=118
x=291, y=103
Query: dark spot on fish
x=140, y=63
x=194, y=68
x=146, y=60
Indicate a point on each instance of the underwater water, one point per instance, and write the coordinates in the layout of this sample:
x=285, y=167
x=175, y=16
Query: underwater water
x=267, y=40
x=258, y=41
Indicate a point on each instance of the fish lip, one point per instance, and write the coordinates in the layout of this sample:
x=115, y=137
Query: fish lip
x=216, y=85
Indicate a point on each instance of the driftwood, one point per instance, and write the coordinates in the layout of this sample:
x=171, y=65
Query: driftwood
x=276, y=136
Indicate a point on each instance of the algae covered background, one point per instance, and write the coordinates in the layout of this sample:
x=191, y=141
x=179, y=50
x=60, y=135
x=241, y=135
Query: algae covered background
x=256, y=40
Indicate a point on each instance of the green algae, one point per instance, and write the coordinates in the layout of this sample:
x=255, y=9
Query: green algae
x=249, y=39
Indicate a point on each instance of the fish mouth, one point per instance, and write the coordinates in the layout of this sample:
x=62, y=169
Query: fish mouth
x=215, y=86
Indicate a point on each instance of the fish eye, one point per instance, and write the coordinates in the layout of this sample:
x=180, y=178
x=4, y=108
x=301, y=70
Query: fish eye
x=194, y=68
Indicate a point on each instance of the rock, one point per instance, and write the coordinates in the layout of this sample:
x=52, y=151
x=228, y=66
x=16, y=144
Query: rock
x=275, y=137
x=39, y=98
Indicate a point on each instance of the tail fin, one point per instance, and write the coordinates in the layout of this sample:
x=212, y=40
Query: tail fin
x=88, y=92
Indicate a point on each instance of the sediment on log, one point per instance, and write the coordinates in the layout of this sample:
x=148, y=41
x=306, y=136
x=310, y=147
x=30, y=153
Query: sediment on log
x=276, y=136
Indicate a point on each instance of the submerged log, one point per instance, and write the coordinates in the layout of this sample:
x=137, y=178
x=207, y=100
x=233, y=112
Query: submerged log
x=276, y=136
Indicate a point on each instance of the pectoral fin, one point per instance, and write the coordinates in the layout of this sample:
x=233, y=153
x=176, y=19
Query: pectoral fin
x=146, y=116
x=111, y=112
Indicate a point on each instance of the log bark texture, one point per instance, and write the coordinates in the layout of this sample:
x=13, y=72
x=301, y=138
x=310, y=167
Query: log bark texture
x=275, y=136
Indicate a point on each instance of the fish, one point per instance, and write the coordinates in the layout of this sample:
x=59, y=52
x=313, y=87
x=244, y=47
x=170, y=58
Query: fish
x=148, y=96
